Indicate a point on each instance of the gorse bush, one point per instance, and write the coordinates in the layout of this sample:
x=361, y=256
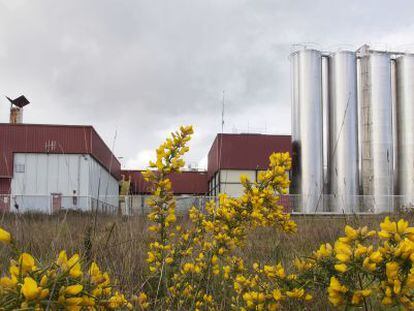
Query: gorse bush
x=63, y=284
x=199, y=263
x=198, y=267
x=360, y=272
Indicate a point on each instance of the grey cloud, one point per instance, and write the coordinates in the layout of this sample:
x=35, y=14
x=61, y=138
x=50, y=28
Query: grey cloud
x=144, y=67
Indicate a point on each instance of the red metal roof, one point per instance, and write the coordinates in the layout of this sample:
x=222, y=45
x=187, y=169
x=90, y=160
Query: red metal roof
x=191, y=182
x=245, y=151
x=42, y=138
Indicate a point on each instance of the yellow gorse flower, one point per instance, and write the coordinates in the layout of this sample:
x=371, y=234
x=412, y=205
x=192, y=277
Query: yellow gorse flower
x=71, y=265
x=336, y=292
x=30, y=290
x=325, y=250
x=26, y=264
x=5, y=236
x=73, y=290
x=359, y=295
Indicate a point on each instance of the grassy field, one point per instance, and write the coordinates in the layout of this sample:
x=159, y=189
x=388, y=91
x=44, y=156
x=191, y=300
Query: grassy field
x=119, y=245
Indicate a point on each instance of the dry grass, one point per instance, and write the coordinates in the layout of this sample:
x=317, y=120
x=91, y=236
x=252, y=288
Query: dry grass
x=119, y=244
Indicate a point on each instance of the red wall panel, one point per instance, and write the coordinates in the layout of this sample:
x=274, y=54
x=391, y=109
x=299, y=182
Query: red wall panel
x=4, y=194
x=4, y=186
x=104, y=155
x=195, y=183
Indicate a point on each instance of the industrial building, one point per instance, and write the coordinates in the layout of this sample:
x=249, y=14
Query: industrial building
x=189, y=187
x=233, y=155
x=47, y=168
x=352, y=130
x=230, y=156
x=184, y=183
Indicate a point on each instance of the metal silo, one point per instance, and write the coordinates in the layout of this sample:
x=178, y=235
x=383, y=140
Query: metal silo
x=405, y=127
x=295, y=124
x=343, y=134
x=307, y=120
x=377, y=136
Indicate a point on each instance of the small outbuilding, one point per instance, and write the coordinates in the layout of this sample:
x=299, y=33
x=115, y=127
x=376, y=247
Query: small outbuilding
x=48, y=168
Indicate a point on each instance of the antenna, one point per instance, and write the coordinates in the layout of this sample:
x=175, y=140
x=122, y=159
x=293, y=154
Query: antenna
x=113, y=142
x=222, y=114
x=221, y=141
x=111, y=162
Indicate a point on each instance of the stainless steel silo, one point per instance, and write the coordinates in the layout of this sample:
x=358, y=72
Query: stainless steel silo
x=295, y=125
x=405, y=128
x=377, y=136
x=307, y=124
x=343, y=134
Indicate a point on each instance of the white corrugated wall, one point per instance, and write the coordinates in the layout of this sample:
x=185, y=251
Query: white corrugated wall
x=37, y=176
x=102, y=184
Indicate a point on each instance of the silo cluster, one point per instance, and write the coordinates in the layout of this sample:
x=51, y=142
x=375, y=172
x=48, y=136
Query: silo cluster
x=352, y=111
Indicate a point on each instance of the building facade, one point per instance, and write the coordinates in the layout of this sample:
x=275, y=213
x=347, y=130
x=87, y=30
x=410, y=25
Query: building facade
x=183, y=183
x=189, y=187
x=230, y=156
x=233, y=155
x=47, y=168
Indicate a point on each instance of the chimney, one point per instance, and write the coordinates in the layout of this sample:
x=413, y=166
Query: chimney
x=16, y=109
x=16, y=115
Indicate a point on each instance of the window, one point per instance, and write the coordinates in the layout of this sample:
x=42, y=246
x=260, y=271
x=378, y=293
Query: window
x=19, y=168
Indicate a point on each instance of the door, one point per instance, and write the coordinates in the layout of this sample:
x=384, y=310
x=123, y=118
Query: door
x=56, y=202
x=4, y=202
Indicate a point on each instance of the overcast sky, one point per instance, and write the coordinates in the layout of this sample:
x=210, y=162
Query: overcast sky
x=142, y=68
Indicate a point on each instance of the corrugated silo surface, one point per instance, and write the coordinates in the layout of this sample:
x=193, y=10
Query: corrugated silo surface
x=377, y=139
x=394, y=123
x=360, y=128
x=326, y=127
x=343, y=134
x=309, y=143
x=295, y=124
x=405, y=129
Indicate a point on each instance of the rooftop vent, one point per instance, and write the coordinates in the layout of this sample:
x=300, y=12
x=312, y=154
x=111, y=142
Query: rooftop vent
x=16, y=109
